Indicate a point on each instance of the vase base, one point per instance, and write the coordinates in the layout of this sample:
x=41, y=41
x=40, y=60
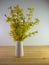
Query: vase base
x=19, y=56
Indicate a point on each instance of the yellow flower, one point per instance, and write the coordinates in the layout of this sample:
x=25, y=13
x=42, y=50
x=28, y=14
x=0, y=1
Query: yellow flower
x=21, y=24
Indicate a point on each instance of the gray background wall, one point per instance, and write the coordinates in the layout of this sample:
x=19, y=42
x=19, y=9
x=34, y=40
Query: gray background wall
x=41, y=11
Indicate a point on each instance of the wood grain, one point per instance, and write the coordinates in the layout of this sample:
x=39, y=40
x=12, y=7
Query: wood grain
x=33, y=55
x=29, y=51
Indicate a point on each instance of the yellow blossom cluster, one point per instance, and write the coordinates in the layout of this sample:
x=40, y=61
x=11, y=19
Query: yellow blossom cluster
x=21, y=24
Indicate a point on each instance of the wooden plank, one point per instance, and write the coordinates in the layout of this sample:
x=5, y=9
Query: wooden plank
x=23, y=61
x=34, y=55
x=29, y=51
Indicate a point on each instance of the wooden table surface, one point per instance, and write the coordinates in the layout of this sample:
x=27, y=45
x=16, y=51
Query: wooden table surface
x=23, y=61
x=7, y=56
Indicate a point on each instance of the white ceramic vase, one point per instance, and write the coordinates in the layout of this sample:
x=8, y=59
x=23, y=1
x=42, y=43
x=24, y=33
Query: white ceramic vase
x=19, y=51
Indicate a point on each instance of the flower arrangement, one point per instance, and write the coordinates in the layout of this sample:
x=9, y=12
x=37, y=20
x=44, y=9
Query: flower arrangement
x=21, y=23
